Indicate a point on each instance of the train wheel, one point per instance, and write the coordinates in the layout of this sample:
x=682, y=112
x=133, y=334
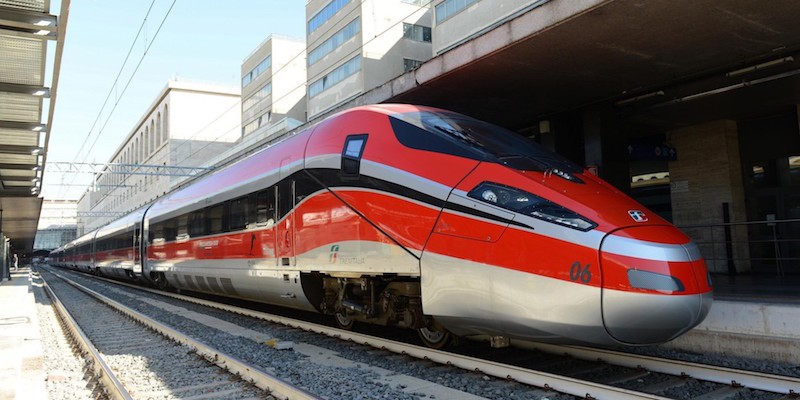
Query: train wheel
x=343, y=321
x=160, y=280
x=435, y=337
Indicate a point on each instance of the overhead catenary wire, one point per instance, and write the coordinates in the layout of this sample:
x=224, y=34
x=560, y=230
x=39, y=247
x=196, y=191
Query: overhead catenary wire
x=288, y=93
x=326, y=31
x=116, y=80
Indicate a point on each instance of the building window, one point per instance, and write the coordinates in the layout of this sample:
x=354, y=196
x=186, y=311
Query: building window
x=152, y=136
x=334, y=41
x=256, y=98
x=417, y=33
x=448, y=8
x=264, y=65
x=146, y=142
x=166, y=124
x=262, y=120
x=337, y=75
x=325, y=14
x=158, y=131
x=419, y=3
x=409, y=64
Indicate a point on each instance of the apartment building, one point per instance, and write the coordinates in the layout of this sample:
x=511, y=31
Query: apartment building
x=274, y=87
x=354, y=46
x=187, y=124
x=457, y=21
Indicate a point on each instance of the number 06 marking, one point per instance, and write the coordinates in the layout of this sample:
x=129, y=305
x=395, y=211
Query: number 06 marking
x=576, y=271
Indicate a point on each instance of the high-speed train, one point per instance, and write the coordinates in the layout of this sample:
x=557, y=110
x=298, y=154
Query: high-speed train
x=419, y=218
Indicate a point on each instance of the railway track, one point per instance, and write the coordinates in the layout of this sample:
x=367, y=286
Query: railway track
x=135, y=357
x=574, y=371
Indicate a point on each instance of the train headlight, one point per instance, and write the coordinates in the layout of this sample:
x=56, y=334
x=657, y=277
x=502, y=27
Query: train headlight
x=489, y=196
x=529, y=204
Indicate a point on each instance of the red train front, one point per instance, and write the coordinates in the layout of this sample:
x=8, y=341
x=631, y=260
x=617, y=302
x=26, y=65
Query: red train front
x=513, y=240
x=426, y=219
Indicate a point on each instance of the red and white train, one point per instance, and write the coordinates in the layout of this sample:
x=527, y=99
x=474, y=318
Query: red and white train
x=420, y=218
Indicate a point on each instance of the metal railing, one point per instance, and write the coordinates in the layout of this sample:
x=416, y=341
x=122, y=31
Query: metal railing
x=758, y=246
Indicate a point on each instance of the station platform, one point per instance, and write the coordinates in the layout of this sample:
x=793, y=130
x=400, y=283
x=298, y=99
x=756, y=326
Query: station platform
x=753, y=316
x=22, y=374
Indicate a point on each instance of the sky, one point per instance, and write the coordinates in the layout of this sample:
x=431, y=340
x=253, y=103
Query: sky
x=200, y=40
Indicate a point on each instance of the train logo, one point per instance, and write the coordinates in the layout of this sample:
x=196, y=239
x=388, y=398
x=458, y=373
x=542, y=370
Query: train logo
x=334, y=254
x=638, y=216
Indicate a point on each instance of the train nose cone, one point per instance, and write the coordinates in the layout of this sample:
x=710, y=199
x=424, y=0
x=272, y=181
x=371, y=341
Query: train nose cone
x=656, y=284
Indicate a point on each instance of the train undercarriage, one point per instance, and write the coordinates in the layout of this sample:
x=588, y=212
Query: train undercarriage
x=386, y=300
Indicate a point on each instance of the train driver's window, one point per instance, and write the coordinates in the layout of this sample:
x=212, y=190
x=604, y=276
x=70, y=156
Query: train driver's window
x=351, y=155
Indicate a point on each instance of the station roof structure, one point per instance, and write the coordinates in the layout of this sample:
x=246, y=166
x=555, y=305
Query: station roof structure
x=27, y=101
x=659, y=63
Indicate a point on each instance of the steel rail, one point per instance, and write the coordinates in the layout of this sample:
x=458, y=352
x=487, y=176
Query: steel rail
x=114, y=388
x=275, y=386
x=558, y=383
x=748, y=379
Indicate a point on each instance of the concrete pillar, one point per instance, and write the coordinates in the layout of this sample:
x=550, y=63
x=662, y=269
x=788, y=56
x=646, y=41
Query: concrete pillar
x=4, y=267
x=606, y=147
x=707, y=174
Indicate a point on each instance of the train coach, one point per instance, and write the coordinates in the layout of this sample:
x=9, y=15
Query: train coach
x=419, y=218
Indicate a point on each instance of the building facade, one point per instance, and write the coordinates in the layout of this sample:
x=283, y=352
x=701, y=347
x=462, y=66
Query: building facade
x=274, y=87
x=354, y=46
x=187, y=124
x=457, y=21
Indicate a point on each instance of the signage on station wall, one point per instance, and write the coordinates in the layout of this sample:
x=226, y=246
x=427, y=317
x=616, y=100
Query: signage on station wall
x=647, y=151
x=593, y=169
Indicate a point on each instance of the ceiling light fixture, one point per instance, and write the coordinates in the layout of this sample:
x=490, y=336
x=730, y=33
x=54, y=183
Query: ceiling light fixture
x=640, y=98
x=759, y=67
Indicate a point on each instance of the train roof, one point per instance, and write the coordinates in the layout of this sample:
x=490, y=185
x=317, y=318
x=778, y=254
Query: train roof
x=122, y=224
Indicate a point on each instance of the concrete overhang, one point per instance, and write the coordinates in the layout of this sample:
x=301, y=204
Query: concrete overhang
x=657, y=62
x=26, y=29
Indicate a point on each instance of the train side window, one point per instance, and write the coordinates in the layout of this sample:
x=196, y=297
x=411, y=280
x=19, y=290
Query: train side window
x=197, y=224
x=252, y=213
x=157, y=233
x=351, y=155
x=238, y=218
x=170, y=229
x=265, y=208
x=183, y=227
x=215, y=215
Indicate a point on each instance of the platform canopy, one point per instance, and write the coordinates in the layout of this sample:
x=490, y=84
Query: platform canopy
x=662, y=62
x=27, y=99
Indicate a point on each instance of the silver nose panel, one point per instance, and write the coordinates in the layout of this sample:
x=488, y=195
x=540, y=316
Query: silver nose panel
x=635, y=317
x=638, y=318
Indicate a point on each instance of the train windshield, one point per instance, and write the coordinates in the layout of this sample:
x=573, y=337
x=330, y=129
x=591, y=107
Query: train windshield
x=481, y=140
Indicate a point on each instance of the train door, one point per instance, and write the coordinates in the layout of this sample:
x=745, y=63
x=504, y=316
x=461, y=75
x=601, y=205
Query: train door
x=137, y=251
x=284, y=247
